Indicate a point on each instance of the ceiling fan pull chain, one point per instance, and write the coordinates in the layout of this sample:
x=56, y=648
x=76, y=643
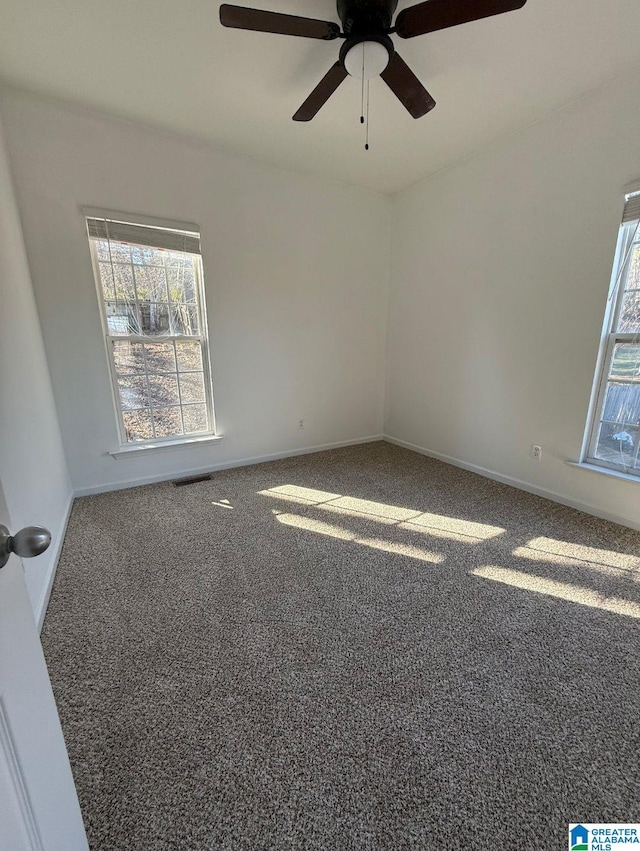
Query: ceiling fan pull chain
x=366, y=146
x=362, y=95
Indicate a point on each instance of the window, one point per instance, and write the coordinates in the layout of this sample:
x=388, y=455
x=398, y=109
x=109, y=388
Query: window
x=614, y=433
x=150, y=288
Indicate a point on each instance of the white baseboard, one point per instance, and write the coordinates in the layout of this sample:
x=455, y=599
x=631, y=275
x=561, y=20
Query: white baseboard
x=226, y=465
x=517, y=483
x=56, y=549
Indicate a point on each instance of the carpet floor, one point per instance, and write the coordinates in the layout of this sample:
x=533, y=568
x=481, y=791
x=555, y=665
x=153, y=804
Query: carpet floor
x=358, y=649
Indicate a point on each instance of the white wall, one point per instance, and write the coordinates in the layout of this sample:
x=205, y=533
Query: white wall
x=500, y=271
x=296, y=276
x=33, y=472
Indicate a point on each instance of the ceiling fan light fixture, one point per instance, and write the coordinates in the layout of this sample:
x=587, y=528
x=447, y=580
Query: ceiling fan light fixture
x=366, y=59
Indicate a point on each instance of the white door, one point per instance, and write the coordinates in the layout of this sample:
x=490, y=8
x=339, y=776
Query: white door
x=39, y=808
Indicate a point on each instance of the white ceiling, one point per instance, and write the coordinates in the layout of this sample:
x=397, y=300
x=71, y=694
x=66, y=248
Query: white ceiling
x=170, y=64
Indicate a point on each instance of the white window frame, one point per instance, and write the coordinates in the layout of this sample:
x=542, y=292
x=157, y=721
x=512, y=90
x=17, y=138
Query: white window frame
x=610, y=338
x=126, y=446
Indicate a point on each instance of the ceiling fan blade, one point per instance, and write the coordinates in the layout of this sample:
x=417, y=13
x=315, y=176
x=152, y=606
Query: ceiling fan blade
x=322, y=92
x=242, y=18
x=407, y=87
x=435, y=15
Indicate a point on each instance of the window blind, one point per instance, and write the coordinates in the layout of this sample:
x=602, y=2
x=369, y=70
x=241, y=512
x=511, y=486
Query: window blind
x=170, y=240
x=631, y=208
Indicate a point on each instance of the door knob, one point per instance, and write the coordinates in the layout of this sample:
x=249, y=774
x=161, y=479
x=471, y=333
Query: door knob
x=28, y=542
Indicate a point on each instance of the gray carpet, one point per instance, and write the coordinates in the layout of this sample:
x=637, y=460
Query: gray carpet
x=242, y=664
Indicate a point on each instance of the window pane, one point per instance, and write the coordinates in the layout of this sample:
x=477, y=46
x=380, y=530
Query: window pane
x=163, y=390
x=102, y=249
x=133, y=392
x=123, y=276
x=177, y=259
x=122, y=318
x=626, y=362
x=119, y=252
x=189, y=356
x=618, y=445
x=182, y=285
x=185, y=319
x=154, y=318
x=622, y=404
x=149, y=256
x=167, y=421
x=633, y=273
x=106, y=280
x=192, y=387
x=151, y=283
x=620, y=423
x=629, y=322
x=137, y=425
x=128, y=357
x=195, y=418
x=160, y=357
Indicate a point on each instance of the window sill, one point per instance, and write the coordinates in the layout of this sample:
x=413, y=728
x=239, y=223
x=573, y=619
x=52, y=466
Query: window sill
x=593, y=468
x=162, y=446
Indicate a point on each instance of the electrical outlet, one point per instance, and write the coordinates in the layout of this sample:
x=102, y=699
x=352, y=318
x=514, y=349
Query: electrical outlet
x=536, y=452
x=300, y=423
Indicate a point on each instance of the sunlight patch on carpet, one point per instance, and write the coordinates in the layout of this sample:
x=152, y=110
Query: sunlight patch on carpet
x=310, y=524
x=561, y=590
x=549, y=549
x=410, y=519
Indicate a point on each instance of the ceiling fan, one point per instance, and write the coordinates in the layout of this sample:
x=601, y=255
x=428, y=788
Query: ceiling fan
x=368, y=50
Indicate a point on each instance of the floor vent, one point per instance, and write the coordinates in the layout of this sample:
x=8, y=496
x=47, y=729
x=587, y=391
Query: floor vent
x=192, y=480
